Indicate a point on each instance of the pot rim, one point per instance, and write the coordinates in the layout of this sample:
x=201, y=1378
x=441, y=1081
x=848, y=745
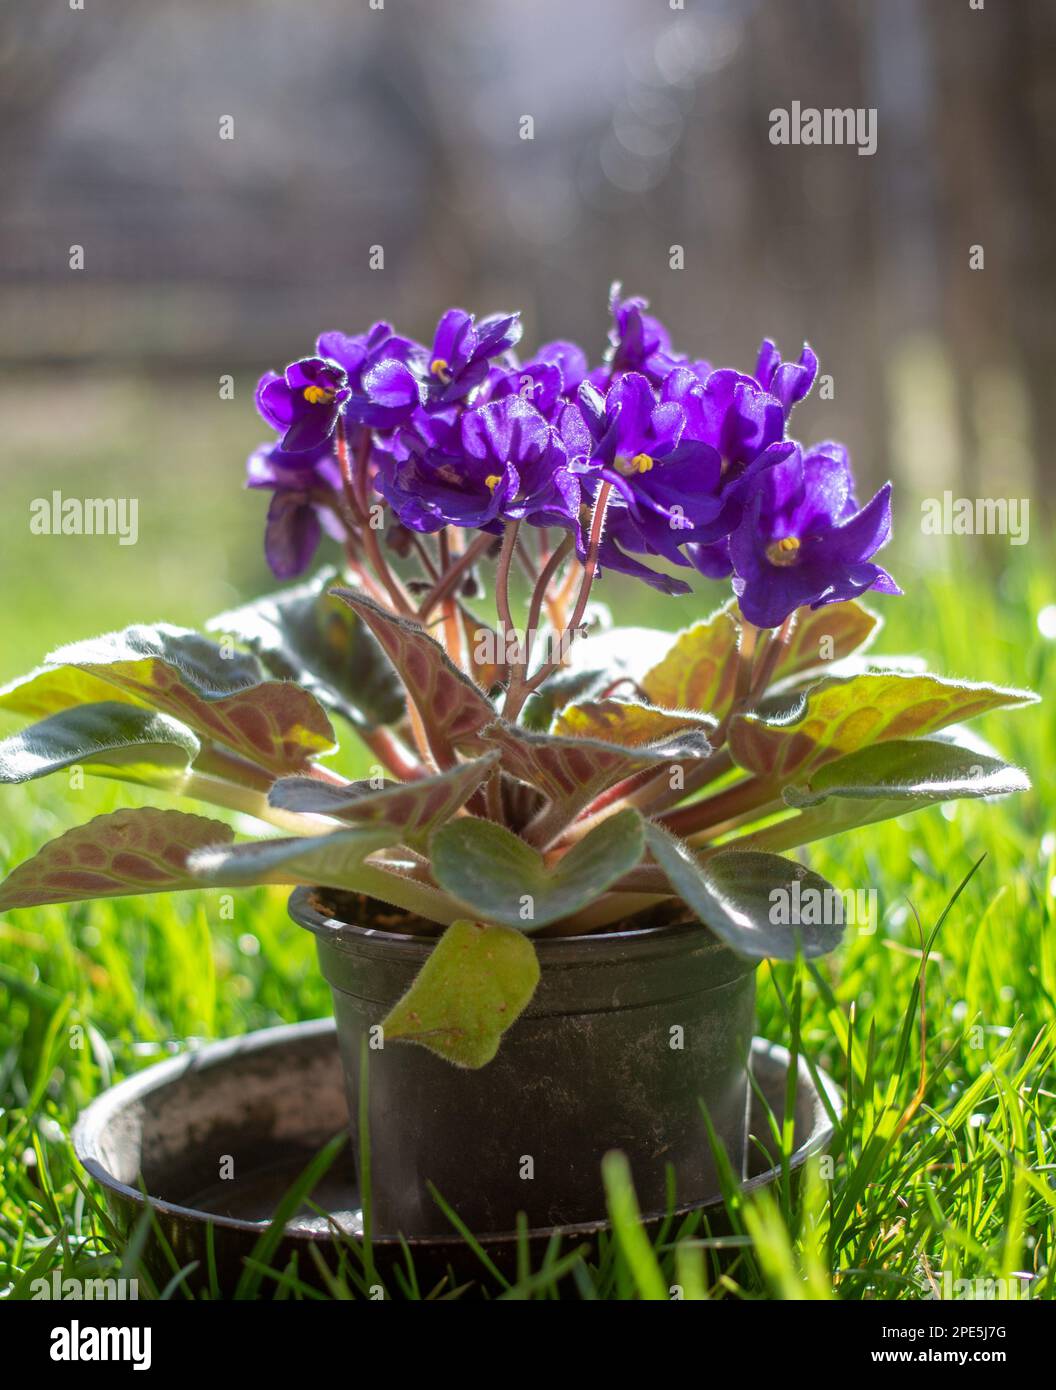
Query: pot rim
x=92, y=1123
x=642, y=942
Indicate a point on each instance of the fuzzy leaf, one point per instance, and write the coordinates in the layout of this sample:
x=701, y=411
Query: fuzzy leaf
x=571, y=772
x=839, y=716
x=923, y=770
x=129, y=741
x=476, y=982
x=453, y=711
x=273, y=723
x=627, y=723
x=864, y=788
x=699, y=672
x=304, y=634
x=413, y=809
x=824, y=635
x=760, y=904
x=331, y=860
x=503, y=879
x=131, y=851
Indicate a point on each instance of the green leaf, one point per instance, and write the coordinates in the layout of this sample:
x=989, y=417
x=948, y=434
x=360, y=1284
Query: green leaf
x=760, y=904
x=503, y=879
x=128, y=741
x=855, y=791
x=700, y=671
x=131, y=851
x=273, y=723
x=838, y=716
x=626, y=722
x=332, y=860
x=452, y=710
x=49, y=689
x=475, y=983
x=412, y=808
x=305, y=634
x=925, y=770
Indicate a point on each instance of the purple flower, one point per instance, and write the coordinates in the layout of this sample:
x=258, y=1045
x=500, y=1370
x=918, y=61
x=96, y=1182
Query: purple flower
x=302, y=484
x=745, y=427
x=803, y=540
x=729, y=411
x=539, y=383
x=639, y=342
x=571, y=361
x=462, y=349
x=788, y=381
x=303, y=405
x=548, y=381
x=499, y=462
x=384, y=387
x=635, y=442
x=664, y=487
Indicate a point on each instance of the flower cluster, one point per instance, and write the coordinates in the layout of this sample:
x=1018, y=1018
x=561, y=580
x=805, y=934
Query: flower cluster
x=650, y=455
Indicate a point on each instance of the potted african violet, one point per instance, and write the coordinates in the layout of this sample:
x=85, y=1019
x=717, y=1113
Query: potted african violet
x=541, y=913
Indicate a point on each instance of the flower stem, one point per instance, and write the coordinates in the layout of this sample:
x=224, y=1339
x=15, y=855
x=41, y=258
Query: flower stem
x=553, y=564
x=447, y=582
x=502, y=577
x=513, y=707
x=452, y=625
x=392, y=755
x=356, y=484
x=767, y=660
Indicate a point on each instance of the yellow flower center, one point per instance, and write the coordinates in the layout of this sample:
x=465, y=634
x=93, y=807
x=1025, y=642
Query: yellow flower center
x=492, y=481
x=438, y=367
x=641, y=463
x=317, y=395
x=783, y=552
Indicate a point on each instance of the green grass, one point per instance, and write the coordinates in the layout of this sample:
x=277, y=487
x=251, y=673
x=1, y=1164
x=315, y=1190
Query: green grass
x=945, y=1159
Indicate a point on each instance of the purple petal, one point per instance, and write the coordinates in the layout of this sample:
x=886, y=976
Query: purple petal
x=275, y=401
x=570, y=358
x=498, y=332
x=766, y=363
x=291, y=536
x=454, y=339
x=860, y=538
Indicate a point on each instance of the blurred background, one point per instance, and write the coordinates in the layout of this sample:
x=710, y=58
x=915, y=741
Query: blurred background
x=397, y=124
x=400, y=127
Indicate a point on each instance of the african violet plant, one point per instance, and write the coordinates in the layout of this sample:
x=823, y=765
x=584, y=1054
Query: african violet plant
x=542, y=777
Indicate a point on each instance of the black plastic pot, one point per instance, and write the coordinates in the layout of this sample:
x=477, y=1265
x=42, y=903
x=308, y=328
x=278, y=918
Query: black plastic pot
x=268, y=1102
x=628, y=1035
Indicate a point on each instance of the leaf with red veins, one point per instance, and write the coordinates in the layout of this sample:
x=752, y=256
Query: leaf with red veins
x=275, y=724
x=413, y=809
x=127, y=852
x=452, y=710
